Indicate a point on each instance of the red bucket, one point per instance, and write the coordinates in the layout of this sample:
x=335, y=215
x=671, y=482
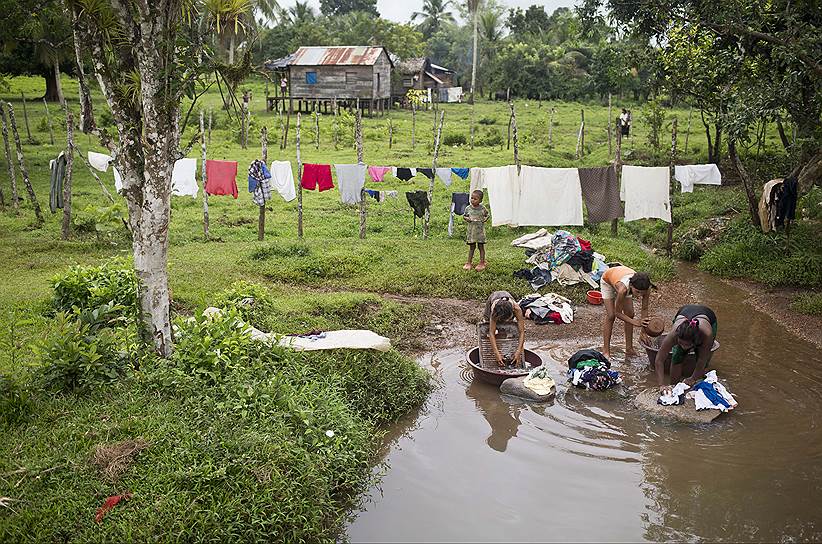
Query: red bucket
x=594, y=297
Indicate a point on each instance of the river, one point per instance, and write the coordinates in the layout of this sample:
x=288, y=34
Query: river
x=472, y=466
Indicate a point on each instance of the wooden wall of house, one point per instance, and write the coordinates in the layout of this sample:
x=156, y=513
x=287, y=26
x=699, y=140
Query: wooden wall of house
x=382, y=77
x=333, y=81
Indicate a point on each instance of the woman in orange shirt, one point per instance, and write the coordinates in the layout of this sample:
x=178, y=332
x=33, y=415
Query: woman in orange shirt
x=618, y=285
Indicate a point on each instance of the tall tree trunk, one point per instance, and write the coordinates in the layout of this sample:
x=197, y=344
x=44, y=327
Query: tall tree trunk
x=717, y=153
x=747, y=182
x=231, y=49
x=86, y=109
x=474, y=72
x=781, y=130
x=52, y=93
x=58, y=83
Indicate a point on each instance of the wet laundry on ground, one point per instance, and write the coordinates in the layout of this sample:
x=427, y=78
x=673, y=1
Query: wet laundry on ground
x=710, y=394
x=697, y=174
x=282, y=180
x=590, y=369
x=317, y=176
x=538, y=308
x=184, y=178
x=676, y=397
x=646, y=192
x=351, y=179
x=221, y=178
x=600, y=190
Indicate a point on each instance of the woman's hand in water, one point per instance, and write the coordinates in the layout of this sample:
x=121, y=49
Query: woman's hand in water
x=665, y=390
x=517, y=356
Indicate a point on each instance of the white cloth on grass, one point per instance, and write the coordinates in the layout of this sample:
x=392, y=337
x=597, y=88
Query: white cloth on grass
x=673, y=398
x=184, y=178
x=445, y=175
x=282, y=179
x=697, y=174
x=502, y=183
x=536, y=240
x=549, y=197
x=647, y=194
x=351, y=179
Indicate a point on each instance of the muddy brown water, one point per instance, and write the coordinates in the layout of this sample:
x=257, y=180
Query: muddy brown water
x=473, y=466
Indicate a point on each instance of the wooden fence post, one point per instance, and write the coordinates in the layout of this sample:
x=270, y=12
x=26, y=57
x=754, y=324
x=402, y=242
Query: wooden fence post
x=261, y=218
x=205, y=178
x=390, y=134
x=413, y=125
x=437, y=140
x=48, y=120
x=580, y=135
x=244, y=124
x=23, y=172
x=316, y=127
x=66, y=230
x=515, y=135
x=609, y=125
x=299, y=180
x=688, y=130
x=210, y=120
x=510, y=120
x=26, y=115
x=618, y=166
x=551, y=128
x=363, y=205
x=670, y=182
x=335, y=130
x=15, y=199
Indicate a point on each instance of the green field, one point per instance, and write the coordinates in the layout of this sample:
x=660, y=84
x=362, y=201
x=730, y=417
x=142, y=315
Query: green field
x=226, y=446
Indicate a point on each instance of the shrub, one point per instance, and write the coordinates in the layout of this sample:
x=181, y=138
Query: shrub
x=89, y=287
x=809, y=303
x=252, y=302
x=79, y=356
x=487, y=121
x=15, y=401
x=454, y=139
x=489, y=138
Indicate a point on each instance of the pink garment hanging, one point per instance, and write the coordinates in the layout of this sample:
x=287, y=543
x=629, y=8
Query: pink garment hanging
x=221, y=178
x=377, y=173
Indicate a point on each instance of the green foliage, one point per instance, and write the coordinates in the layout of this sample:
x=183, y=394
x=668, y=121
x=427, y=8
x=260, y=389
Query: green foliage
x=15, y=401
x=104, y=221
x=487, y=121
x=79, y=356
x=454, y=139
x=490, y=137
x=89, y=287
x=809, y=303
x=653, y=116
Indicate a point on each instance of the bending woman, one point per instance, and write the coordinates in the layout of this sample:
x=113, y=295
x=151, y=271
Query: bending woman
x=500, y=308
x=618, y=285
x=694, y=329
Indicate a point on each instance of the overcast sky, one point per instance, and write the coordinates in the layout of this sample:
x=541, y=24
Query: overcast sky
x=401, y=10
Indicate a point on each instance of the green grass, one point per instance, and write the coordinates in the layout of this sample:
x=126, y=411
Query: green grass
x=809, y=303
x=235, y=459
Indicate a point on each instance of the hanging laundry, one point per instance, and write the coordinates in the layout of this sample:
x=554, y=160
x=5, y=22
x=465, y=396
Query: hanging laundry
x=547, y=196
x=184, y=178
x=351, y=178
x=282, y=180
x=257, y=171
x=462, y=173
x=477, y=179
x=57, y=168
x=502, y=183
x=427, y=172
x=388, y=194
x=600, y=191
x=118, y=180
x=317, y=176
x=373, y=194
x=646, y=192
x=700, y=174
x=710, y=394
x=405, y=174
x=676, y=397
x=458, y=203
x=786, y=207
x=767, y=213
x=418, y=200
x=99, y=161
x=445, y=175
x=377, y=173
x=221, y=178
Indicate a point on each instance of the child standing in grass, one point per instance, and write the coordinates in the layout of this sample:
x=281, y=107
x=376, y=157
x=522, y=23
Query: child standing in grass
x=475, y=215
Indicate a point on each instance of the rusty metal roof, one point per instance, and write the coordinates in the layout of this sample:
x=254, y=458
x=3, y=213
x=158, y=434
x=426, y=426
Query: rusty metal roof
x=363, y=55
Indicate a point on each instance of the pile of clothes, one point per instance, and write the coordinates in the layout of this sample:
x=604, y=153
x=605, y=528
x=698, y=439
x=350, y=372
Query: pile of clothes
x=560, y=257
x=549, y=308
x=708, y=394
x=590, y=369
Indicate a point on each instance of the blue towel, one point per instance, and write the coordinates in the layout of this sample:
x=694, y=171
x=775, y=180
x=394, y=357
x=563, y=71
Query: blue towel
x=711, y=394
x=373, y=194
x=461, y=172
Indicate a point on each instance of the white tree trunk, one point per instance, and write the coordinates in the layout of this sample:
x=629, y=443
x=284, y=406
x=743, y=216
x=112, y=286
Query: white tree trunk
x=58, y=83
x=474, y=59
x=231, y=49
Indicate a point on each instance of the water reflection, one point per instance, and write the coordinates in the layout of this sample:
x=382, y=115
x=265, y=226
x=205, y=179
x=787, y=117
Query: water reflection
x=502, y=417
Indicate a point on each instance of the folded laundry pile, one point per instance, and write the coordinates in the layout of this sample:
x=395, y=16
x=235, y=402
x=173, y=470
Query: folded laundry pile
x=708, y=394
x=549, y=308
x=590, y=369
x=560, y=257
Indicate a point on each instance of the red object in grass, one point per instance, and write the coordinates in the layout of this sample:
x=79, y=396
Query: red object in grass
x=594, y=297
x=584, y=244
x=110, y=503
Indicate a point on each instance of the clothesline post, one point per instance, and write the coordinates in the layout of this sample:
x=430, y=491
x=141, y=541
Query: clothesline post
x=688, y=130
x=437, y=139
x=363, y=205
x=261, y=218
x=618, y=167
x=22, y=164
x=515, y=136
x=508, y=145
x=48, y=120
x=335, y=110
x=609, y=125
x=205, y=178
x=670, y=182
x=284, y=143
x=390, y=133
x=581, y=135
x=551, y=128
x=245, y=121
x=299, y=181
x=26, y=115
x=413, y=125
x=210, y=121
x=65, y=232
x=15, y=199
x=316, y=126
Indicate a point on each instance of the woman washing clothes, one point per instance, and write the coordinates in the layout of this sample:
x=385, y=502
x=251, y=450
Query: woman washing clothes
x=694, y=329
x=501, y=308
x=618, y=286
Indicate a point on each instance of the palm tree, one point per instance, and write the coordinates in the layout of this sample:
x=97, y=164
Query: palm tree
x=433, y=14
x=233, y=18
x=298, y=13
x=491, y=23
x=473, y=10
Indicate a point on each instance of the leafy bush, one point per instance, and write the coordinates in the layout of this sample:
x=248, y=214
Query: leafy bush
x=252, y=301
x=653, y=115
x=79, y=355
x=276, y=250
x=454, y=139
x=89, y=287
x=489, y=138
x=487, y=121
x=15, y=401
x=809, y=303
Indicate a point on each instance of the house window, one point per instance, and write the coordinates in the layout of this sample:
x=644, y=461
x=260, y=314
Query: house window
x=311, y=78
x=407, y=83
x=350, y=78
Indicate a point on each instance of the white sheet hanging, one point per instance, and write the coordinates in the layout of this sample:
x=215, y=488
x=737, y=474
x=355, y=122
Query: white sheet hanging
x=549, y=197
x=647, y=194
x=184, y=178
